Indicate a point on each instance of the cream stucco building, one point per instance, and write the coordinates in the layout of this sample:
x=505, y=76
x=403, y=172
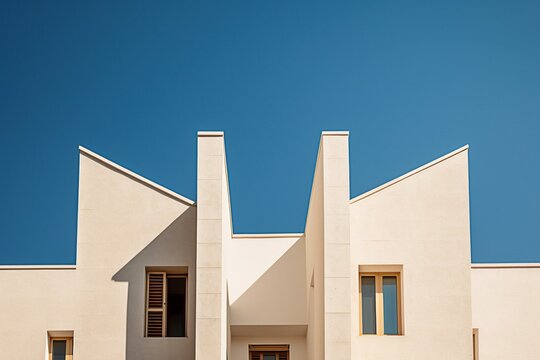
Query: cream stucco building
x=386, y=275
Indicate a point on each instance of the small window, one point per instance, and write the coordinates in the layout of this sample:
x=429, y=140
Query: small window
x=60, y=348
x=166, y=304
x=268, y=352
x=380, y=304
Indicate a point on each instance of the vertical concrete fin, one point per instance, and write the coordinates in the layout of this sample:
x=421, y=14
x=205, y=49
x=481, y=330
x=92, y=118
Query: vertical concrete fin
x=210, y=278
x=328, y=252
x=336, y=229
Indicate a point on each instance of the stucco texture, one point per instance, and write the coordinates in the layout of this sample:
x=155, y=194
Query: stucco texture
x=422, y=224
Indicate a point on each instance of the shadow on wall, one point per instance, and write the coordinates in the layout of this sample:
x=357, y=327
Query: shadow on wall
x=174, y=246
x=278, y=296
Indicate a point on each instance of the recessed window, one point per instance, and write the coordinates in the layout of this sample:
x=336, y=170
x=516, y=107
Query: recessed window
x=60, y=348
x=268, y=352
x=166, y=304
x=380, y=304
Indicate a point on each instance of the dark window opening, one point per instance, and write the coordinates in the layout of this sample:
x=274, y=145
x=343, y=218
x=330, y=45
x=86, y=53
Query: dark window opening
x=176, y=306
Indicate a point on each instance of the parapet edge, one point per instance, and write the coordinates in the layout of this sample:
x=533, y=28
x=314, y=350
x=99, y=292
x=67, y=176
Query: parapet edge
x=210, y=133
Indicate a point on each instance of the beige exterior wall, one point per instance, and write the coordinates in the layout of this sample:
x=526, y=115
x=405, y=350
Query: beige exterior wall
x=419, y=222
x=506, y=310
x=34, y=300
x=125, y=224
x=267, y=293
x=267, y=284
x=296, y=289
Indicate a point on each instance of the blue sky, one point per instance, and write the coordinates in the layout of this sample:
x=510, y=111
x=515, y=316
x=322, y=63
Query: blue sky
x=134, y=81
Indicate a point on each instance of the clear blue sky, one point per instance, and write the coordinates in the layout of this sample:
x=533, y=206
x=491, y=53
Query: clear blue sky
x=134, y=81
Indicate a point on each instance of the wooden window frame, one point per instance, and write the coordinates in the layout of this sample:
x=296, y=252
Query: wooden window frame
x=166, y=276
x=69, y=346
x=475, y=344
x=268, y=350
x=379, y=302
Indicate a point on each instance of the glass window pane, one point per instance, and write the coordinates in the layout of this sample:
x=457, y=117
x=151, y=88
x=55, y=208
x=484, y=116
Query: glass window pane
x=269, y=357
x=369, y=315
x=59, y=350
x=390, y=305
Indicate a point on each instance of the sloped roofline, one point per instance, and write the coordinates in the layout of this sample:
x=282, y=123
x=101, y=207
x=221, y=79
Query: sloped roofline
x=409, y=174
x=161, y=189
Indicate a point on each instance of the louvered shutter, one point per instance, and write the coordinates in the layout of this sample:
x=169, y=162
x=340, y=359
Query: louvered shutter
x=155, y=304
x=257, y=352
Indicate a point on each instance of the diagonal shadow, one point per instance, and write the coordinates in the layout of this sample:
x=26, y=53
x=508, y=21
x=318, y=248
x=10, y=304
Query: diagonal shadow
x=278, y=296
x=174, y=246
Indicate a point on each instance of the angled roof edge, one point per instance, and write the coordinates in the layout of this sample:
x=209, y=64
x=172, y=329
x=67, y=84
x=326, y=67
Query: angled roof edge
x=161, y=189
x=211, y=133
x=505, y=266
x=267, y=236
x=409, y=174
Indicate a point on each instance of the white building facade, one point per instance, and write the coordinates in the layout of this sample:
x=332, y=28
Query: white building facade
x=386, y=275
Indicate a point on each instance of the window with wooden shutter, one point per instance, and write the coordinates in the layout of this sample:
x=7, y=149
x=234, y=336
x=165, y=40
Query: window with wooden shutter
x=156, y=304
x=166, y=302
x=283, y=355
x=268, y=352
